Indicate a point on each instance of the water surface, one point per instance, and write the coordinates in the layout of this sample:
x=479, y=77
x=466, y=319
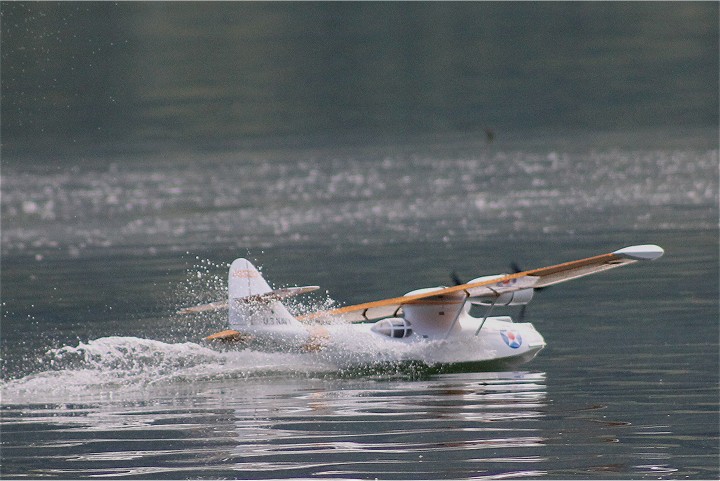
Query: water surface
x=101, y=379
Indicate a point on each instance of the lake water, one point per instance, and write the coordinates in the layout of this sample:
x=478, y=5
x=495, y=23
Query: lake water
x=101, y=379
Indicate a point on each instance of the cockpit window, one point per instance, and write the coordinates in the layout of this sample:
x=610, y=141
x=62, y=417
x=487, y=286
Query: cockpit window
x=396, y=327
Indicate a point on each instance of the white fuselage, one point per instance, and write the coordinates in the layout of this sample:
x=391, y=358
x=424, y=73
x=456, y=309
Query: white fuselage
x=499, y=340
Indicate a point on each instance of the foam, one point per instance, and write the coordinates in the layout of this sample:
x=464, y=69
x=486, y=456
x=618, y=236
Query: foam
x=122, y=364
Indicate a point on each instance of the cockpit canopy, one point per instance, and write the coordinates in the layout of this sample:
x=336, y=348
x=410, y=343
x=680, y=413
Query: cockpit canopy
x=393, y=327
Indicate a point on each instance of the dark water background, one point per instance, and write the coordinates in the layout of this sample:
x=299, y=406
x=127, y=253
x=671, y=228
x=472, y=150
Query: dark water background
x=144, y=146
x=204, y=75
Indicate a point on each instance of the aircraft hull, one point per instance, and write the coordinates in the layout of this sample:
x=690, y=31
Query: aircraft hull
x=499, y=344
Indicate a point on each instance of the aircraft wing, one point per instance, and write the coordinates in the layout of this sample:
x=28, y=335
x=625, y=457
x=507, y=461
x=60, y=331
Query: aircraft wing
x=583, y=267
x=391, y=307
x=495, y=285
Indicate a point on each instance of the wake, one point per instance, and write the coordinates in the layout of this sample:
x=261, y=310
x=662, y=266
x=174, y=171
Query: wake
x=122, y=364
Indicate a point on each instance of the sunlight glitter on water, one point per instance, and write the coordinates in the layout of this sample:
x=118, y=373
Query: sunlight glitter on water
x=235, y=199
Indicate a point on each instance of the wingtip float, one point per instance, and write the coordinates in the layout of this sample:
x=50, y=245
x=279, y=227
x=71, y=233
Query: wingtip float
x=257, y=315
x=647, y=252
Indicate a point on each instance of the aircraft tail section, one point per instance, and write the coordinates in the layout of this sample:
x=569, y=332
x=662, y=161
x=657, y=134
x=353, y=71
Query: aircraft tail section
x=245, y=280
x=253, y=305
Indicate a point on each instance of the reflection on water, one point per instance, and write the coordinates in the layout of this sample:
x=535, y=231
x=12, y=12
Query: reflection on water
x=402, y=427
x=467, y=425
x=283, y=427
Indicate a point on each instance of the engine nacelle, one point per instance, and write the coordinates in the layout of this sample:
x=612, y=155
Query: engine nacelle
x=515, y=298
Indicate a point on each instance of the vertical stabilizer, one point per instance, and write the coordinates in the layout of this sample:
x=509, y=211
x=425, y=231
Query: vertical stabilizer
x=245, y=280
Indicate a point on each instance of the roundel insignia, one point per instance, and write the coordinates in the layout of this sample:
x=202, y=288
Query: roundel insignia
x=511, y=338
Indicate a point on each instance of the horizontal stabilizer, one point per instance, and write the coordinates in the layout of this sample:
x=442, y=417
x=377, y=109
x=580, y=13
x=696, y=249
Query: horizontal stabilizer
x=228, y=335
x=213, y=306
x=275, y=295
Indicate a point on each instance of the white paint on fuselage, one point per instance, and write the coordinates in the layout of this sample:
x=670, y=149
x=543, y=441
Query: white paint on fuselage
x=349, y=345
x=499, y=338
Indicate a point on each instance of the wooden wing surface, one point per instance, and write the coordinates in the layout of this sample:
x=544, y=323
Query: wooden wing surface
x=494, y=285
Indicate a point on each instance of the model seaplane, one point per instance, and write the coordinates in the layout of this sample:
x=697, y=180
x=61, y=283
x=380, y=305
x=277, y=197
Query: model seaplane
x=432, y=325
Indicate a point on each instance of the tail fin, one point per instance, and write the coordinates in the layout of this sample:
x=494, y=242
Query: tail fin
x=249, y=309
x=245, y=280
